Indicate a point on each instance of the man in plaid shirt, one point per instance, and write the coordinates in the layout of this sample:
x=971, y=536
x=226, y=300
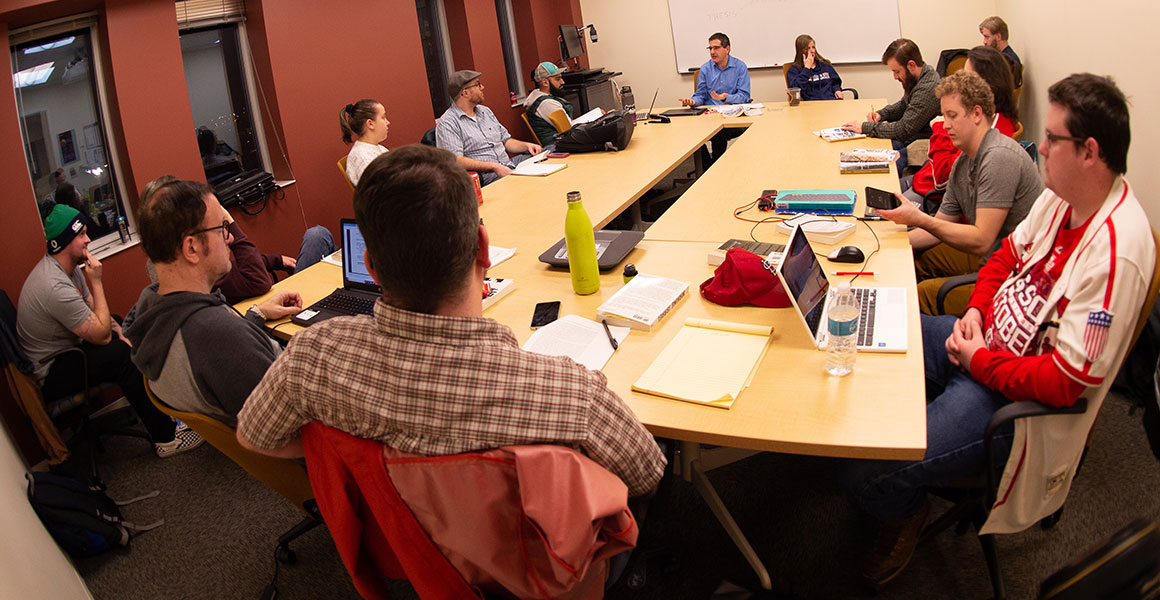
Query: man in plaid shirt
x=427, y=373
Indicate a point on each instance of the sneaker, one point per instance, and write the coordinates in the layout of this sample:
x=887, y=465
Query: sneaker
x=894, y=547
x=183, y=441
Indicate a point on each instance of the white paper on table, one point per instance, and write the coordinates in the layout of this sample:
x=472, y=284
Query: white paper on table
x=582, y=340
x=334, y=258
x=498, y=255
x=588, y=117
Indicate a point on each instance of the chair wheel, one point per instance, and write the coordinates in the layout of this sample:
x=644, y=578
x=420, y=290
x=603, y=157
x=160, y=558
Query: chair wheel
x=285, y=555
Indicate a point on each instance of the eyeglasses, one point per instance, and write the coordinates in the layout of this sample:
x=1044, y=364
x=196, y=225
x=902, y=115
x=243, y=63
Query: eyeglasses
x=714, y=47
x=1053, y=139
x=225, y=227
x=476, y=84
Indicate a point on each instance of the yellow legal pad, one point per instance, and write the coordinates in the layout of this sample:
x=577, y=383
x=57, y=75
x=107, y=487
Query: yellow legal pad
x=709, y=362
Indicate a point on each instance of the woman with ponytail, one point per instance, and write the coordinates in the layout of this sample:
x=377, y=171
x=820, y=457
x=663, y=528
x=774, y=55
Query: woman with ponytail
x=364, y=125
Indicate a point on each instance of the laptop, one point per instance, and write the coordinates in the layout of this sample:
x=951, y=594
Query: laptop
x=611, y=248
x=883, y=326
x=684, y=112
x=643, y=116
x=358, y=292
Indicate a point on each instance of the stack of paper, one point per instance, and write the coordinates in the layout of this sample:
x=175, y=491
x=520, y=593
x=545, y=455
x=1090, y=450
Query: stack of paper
x=536, y=167
x=835, y=134
x=709, y=362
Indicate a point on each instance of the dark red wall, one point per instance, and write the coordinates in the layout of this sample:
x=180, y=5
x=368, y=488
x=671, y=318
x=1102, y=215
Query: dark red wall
x=311, y=58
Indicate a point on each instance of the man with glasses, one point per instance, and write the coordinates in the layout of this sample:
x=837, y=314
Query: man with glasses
x=470, y=131
x=992, y=186
x=721, y=80
x=1050, y=319
x=197, y=352
x=62, y=306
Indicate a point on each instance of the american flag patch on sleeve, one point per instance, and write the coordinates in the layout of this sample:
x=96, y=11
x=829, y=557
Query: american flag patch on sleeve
x=1095, y=334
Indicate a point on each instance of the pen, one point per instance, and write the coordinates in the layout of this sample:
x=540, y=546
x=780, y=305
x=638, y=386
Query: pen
x=542, y=158
x=611, y=340
x=841, y=273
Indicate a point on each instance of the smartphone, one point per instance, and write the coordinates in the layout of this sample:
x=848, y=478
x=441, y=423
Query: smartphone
x=559, y=154
x=545, y=313
x=876, y=198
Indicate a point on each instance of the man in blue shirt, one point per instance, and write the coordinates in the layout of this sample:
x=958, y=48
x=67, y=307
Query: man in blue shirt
x=995, y=33
x=721, y=80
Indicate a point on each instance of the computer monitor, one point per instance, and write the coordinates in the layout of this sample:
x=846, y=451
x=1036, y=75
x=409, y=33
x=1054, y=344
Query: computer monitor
x=570, y=44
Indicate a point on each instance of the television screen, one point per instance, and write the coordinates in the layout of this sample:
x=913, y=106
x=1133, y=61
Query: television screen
x=570, y=47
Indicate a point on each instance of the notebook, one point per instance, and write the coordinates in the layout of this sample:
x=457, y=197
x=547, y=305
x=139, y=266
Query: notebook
x=358, y=292
x=708, y=362
x=883, y=323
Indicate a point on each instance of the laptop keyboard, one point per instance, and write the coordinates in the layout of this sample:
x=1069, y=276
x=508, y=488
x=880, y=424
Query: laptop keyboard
x=867, y=300
x=342, y=302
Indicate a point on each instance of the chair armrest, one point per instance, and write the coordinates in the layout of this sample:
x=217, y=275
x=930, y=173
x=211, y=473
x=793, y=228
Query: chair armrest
x=950, y=284
x=1008, y=414
x=852, y=91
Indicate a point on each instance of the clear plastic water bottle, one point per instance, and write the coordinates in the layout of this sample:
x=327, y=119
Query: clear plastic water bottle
x=123, y=229
x=842, y=317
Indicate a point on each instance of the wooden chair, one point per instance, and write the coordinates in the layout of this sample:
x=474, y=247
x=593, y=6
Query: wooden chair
x=285, y=476
x=528, y=123
x=956, y=64
x=1018, y=131
x=785, y=73
x=559, y=120
x=974, y=499
x=342, y=169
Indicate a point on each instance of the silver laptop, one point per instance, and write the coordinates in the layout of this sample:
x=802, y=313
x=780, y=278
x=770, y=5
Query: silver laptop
x=883, y=324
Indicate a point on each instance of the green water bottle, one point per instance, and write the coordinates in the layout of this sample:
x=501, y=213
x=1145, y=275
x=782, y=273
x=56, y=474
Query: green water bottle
x=581, y=243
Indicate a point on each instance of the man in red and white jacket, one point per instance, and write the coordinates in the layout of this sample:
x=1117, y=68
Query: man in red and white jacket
x=1049, y=320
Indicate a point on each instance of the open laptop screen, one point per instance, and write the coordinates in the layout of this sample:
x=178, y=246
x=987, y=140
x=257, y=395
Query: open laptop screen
x=807, y=283
x=354, y=270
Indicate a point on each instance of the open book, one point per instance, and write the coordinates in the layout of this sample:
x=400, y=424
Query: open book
x=580, y=339
x=866, y=160
x=536, y=167
x=837, y=134
x=709, y=362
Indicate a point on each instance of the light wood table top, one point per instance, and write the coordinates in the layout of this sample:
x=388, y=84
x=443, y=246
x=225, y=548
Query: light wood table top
x=792, y=405
x=779, y=151
x=528, y=212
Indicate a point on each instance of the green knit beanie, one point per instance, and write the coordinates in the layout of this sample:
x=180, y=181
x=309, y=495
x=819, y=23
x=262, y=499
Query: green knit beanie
x=62, y=225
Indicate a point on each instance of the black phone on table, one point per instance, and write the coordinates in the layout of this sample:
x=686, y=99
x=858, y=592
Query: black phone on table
x=544, y=313
x=876, y=198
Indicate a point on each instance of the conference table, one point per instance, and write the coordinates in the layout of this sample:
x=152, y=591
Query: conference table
x=791, y=405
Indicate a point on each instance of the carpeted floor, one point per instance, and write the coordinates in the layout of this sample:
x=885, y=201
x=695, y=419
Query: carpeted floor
x=221, y=527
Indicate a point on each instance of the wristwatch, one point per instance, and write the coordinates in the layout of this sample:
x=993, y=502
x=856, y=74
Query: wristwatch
x=254, y=307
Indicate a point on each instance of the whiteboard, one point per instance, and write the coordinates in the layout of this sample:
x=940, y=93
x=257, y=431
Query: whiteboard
x=761, y=32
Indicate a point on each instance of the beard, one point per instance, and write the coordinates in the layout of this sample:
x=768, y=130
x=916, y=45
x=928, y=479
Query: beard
x=555, y=91
x=908, y=83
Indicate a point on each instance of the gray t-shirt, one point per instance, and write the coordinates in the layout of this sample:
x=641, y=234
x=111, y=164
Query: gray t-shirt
x=1002, y=175
x=52, y=304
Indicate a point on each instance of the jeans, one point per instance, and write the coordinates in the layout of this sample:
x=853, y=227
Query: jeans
x=902, y=161
x=316, y=243
x=955, y=421
x=108, y=363
x=486, y=177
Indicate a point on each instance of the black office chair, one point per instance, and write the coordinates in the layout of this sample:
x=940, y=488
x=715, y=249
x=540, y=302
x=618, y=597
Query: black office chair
x=429, y=138
x=48, y=418
x=973, y=497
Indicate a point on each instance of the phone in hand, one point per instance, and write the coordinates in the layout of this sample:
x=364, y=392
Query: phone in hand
x=544, y=313
x=876, y=198
x=559, y=154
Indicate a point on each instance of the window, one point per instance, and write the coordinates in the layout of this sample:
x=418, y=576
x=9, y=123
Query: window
x=228, y=136
x=436, y=51
x=66, y=142
x=511, y=53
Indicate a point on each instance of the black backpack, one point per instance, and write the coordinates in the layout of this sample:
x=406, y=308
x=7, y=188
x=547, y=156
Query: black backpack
x=82, y=519
x=612, y=131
